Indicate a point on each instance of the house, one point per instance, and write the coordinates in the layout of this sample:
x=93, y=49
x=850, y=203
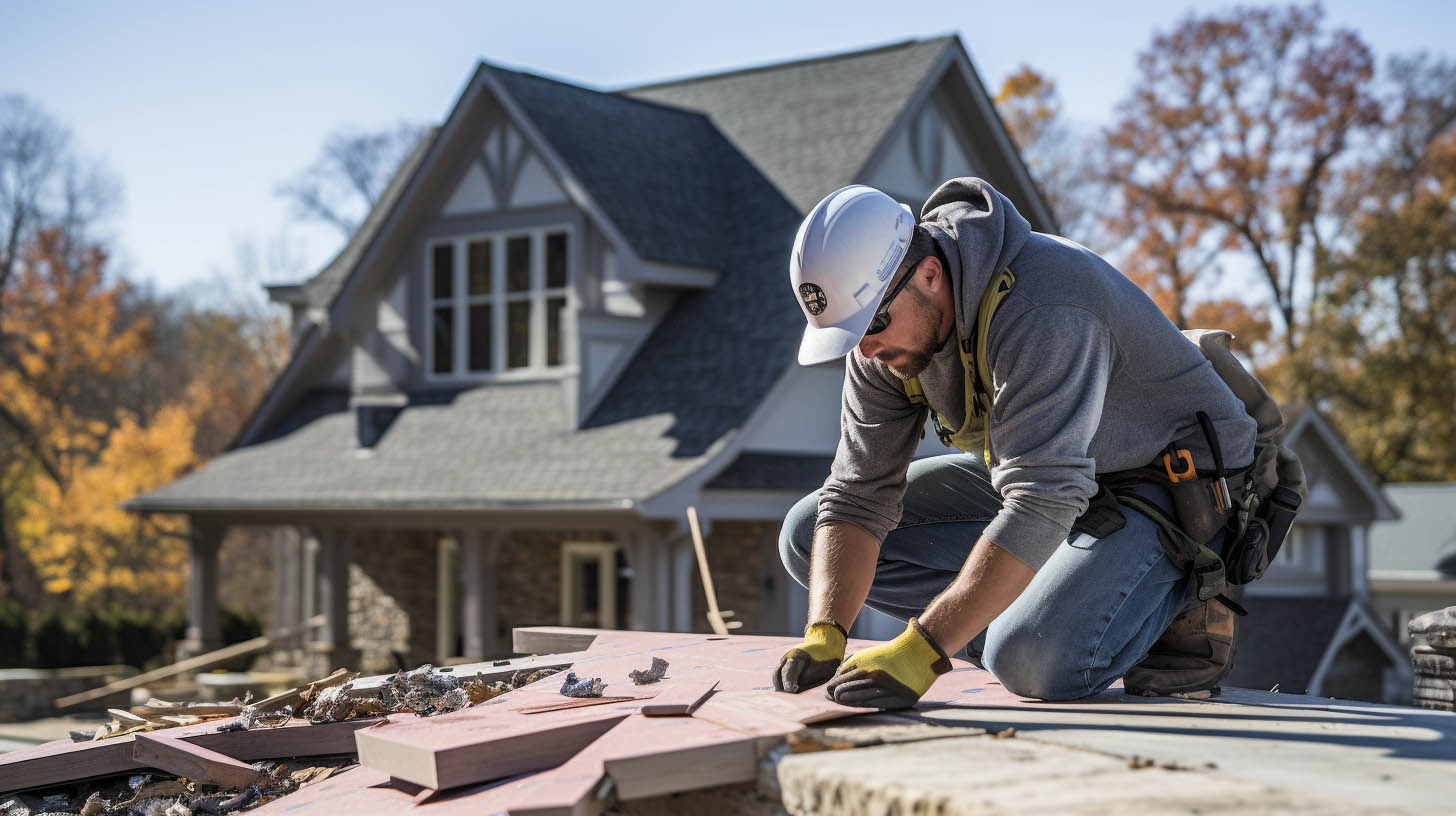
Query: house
x=1312, y=628
x=1413, y=560
x=566, y=321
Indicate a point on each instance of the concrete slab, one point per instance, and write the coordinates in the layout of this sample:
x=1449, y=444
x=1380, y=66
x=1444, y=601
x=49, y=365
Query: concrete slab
x=1281, y=751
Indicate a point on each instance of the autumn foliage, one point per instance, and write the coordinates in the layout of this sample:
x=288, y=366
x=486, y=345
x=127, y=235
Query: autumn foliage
x=91, y=422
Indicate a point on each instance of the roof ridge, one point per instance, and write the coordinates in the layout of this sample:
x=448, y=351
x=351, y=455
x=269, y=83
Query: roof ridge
x=577, y=87
x=790, y=64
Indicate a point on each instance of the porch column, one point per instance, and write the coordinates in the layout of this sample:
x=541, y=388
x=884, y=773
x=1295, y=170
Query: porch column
x=446, y=616
x=203, y=631
x=643, y=587
x=478, y=549
x=684, y=572
x=287, y=587
x=333, y=641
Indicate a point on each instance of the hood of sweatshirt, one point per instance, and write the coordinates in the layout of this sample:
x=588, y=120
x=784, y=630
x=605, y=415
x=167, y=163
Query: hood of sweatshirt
x=979, y=232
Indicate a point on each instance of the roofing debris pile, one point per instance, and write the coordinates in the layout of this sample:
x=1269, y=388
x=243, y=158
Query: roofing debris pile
x=158, y=795
x=1434, y=658
x=338, y=698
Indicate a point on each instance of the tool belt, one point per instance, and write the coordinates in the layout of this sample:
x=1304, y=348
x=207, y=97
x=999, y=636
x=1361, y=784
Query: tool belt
x=1204, y=505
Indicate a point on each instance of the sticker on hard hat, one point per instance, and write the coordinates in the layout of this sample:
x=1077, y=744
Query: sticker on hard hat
x=814, y=299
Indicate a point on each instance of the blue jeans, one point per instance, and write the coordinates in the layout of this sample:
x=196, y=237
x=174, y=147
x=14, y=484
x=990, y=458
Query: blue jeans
x=1090, y=613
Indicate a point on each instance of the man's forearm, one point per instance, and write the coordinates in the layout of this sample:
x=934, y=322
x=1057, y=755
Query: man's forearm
x=988, y=582
x=841, y=571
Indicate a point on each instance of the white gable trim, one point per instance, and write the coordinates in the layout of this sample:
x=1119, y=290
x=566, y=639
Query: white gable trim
x=1355, y=621
x=1311, y=419
x=484, y=81
x=955, y=59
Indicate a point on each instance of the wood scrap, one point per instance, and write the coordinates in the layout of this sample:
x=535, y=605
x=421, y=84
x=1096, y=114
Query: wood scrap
x=679, y=698
x=717, y=618
x=197, y=663
x=64, y=761
x=489, y=745
x=550, y=640
x=181, y=758
x=580, y=702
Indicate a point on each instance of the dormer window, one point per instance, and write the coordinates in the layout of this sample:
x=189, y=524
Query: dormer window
x=496, y=303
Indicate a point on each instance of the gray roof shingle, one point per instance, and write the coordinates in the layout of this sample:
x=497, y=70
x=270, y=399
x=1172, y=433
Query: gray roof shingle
x=809, y=126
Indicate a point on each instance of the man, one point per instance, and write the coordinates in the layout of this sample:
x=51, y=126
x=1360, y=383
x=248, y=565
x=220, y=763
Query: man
x=1063, y=372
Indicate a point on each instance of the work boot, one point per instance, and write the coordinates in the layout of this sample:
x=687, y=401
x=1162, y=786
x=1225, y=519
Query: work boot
x=1190, y=658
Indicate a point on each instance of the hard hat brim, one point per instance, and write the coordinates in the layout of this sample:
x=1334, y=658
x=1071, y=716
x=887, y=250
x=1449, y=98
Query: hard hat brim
x=820, y=345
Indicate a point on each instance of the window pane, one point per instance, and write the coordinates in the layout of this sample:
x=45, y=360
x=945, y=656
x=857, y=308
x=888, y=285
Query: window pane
x=444, y=267
x=554, y=307
x=518, y=264
x=479, y=268
x=444, y=340
x=480, y=336
x=556, y=260
x=518, y=334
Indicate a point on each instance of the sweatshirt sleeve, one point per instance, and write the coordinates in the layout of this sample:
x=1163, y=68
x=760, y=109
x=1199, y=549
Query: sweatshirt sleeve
x=1050, y=369
x=879, y=429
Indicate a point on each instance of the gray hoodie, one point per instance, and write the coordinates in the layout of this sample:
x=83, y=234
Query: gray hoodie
x=1089, y=378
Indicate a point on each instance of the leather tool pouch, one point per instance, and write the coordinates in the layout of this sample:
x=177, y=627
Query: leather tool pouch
x=1103, y=516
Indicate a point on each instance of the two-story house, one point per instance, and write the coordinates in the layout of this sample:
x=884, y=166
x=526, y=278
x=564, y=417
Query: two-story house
x=566, y=320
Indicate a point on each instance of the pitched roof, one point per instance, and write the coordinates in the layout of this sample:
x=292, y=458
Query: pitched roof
x=809, y=126
x=772, y=471
x=1282, y=641
x=664, y=176
x=319, y=291
x=677, y=184
x=515, y=455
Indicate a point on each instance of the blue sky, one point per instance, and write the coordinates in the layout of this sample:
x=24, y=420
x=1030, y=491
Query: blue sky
x=202, y=109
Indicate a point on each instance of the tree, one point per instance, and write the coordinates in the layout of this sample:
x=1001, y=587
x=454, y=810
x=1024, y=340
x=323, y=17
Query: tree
x=1056, y=154
x=72, y=351
x=42, y=182
x=350, y=174
x=1237, y=135
x=1381, y=348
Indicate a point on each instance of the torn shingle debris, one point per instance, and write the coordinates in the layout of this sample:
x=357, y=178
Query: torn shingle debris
x=644, y=677
x=584, y=687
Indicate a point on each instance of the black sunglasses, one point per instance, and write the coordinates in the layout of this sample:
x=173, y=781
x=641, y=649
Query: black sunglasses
x=881, y=320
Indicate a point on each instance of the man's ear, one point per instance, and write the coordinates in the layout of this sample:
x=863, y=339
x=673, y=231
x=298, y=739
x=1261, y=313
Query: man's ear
x=931, y=271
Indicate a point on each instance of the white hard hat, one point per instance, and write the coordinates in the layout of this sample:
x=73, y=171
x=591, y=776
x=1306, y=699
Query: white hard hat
x=844, y=255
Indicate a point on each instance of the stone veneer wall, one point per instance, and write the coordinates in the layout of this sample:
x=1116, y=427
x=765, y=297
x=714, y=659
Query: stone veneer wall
x=528, y=569
x=735, y=557
x=392, y=597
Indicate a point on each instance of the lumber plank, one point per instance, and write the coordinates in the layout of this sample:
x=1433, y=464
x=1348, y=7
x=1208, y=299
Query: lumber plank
x=197, y=663
x=680, y=698
x=490, y=671
x=549, y=640
x=483, y=748
x=64, y=761
x=182, y=758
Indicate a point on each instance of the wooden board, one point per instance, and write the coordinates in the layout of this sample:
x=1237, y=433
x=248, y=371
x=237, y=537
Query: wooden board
x=64, y=761
x=680, y=698
x=181, y=758
x=197, y=663
x=550, y=640
x=491, y=671
x=504, y=743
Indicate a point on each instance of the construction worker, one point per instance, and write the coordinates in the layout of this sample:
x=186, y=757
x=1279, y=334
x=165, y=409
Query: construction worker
x=1035, y=355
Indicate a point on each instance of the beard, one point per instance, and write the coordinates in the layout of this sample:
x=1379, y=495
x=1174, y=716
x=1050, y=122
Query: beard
x=924, y=344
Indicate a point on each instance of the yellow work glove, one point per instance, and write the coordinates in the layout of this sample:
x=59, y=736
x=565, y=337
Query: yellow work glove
x=812, y=662
x=894, y=675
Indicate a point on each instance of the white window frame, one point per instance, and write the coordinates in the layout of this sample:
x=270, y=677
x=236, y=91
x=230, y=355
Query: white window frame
x=1303, y=549
x=605, y=554
x=461, y=301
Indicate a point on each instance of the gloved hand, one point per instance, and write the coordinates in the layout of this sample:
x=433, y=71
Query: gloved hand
x=812, y=662
x=893, y=675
